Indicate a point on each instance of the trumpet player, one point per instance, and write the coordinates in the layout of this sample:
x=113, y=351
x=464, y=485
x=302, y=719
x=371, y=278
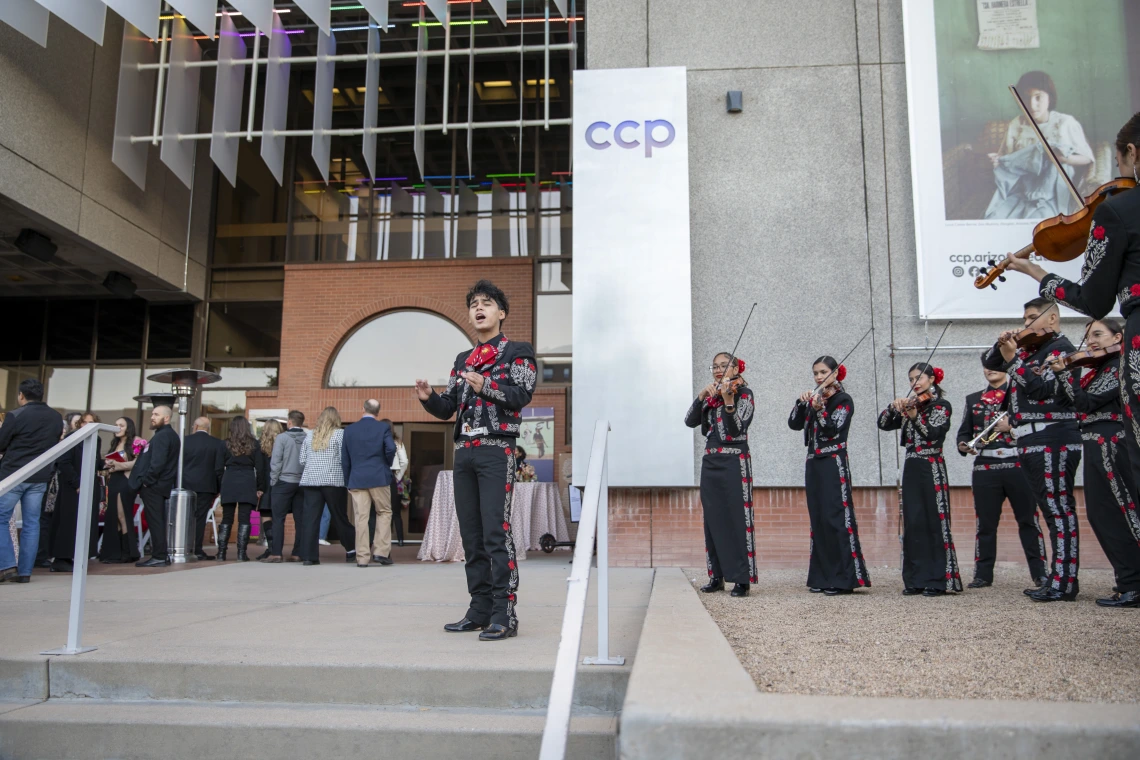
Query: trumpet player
x=997, y=477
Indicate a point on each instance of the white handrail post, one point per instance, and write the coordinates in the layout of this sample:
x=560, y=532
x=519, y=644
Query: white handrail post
x=82, y=550
x=603, y=534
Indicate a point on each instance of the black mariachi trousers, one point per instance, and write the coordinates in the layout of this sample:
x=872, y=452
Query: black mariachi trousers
x=994, y=481
x=1110, y=501
x=1050, y=461
x=484, y=478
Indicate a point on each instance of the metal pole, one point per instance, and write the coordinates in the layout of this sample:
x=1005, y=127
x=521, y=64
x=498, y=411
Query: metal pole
x=446, y=65
x=546, y=68
x=161, y=83
x=253, y=87
x=603, y=534
x=82, y=549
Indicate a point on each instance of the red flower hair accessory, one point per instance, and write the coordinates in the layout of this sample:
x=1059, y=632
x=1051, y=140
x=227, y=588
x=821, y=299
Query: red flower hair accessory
x=740, y=366
x=841, y=373
x=938, y=375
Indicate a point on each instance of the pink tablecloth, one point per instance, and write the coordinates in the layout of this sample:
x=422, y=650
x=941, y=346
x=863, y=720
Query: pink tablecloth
x=536, y=509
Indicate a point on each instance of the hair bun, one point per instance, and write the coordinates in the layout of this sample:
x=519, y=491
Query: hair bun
x=938, y=375
x=841, y=373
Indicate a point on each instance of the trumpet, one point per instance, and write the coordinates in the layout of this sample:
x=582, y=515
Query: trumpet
x=989, y=435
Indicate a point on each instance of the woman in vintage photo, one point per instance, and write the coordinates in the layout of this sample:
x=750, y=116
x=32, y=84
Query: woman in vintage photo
x=1028, y=184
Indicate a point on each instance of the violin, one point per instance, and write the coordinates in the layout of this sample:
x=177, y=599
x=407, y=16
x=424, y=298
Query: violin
x=1033, y=338
x=919, y=399
x=1090, y=357
x=1063, y=237
x=730, y=386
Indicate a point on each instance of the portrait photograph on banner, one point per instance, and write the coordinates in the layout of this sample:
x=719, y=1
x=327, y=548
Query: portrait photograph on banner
x=982, y=179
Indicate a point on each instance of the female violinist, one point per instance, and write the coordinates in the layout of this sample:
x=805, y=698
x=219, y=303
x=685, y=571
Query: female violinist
x=1110, y=491
x=723, y=410
x=824, y=414
x=930, y=564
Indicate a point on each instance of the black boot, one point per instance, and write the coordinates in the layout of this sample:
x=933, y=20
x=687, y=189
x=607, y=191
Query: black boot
x=223, y=541
x=740, y=589
x=714, y=584
x=243, y=542
x=267, y=531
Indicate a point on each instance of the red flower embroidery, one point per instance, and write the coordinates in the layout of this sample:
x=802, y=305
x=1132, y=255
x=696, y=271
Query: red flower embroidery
x=1134, y=290
x=506, y=526
x=502, y=426
x=1059, y=293
x=511, y=564
x=1098, y=232
x=1021, y=370
x=1136, y=341
x=508, y=486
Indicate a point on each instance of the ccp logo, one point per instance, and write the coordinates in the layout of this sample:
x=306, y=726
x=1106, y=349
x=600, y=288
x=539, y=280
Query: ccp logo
x=595, y=135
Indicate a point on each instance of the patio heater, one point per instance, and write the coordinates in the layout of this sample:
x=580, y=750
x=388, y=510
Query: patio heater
x=184, y=384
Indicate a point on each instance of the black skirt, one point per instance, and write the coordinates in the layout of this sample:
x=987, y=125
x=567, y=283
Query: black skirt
x=929, y=559
x=836, y=556
x=726, y=499
x=239, y=486
x=118, y=546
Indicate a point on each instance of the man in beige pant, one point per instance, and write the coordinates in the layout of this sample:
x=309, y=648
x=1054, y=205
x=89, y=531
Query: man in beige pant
x=366, y=458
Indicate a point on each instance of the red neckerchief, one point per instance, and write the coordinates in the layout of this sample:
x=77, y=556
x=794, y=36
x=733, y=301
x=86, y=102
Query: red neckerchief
x=484, y=356
x=993, y=397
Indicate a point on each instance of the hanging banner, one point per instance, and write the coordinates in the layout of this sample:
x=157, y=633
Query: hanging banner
x=981, y=179
x=631, y=304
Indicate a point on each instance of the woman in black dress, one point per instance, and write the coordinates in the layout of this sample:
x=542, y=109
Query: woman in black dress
x=930, y=564
x=120, y=544
x=824, y=414
x=65, y=517
x=1110, y=493
x=243, y=482
x=724, y=415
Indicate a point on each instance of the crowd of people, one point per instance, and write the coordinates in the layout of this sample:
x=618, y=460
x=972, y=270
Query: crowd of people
x=288, y=470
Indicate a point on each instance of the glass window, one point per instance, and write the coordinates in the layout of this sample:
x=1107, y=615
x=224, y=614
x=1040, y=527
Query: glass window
x=249, y=375
x=23, y=344
x=555, y=370
x=263, y=283
x=67, y=388
x=112, y=393
x=69, y=331
x=244, y=329
x=554, y=333
x=171, y=331
x=396, y=348
x=220, y=407
x=10, y=379
x=120, y=329
x=554, y=277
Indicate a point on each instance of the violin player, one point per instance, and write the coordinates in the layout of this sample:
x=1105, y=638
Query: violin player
x=824, y=415
x=1111, y=271
x=930, y=563
x=723, y=410
x=1110, y=492
x=1047, y=435
x=997, y=476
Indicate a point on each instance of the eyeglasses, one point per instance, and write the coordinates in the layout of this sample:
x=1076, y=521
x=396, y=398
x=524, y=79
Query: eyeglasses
x=721, y=367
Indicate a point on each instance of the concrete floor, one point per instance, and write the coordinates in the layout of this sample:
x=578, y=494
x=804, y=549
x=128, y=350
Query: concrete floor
x=990, y=643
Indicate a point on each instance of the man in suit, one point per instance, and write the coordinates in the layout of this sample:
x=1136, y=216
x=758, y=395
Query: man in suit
x=203, y=460
x=154, y=475
x=366, y=458
x=24, y=437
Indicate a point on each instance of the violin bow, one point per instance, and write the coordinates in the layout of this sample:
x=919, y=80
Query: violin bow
x=1048, y=148
x=937, y=343
x=732, y=356
x=818, y=388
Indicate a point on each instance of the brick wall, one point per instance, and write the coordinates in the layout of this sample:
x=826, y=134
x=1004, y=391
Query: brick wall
x=662, y=527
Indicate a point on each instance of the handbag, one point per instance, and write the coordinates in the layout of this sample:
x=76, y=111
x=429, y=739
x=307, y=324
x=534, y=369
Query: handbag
x=52, y=493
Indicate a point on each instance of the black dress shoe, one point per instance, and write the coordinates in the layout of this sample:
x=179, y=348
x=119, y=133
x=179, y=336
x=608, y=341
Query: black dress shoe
x=496, y=632
x=310, y=562
x=1125, y=599
x=1053, y=595
x=350, y=557
x=714, y=584
x=740, y=589
x=463, y=626
x=837, y=591
x=912, y=591
x=979, y=583
x=933, y=592
x=203, y=557
x=22, y=579
x=152, y=562
x=815, y=590
x=1042, y=584
x=381, y=560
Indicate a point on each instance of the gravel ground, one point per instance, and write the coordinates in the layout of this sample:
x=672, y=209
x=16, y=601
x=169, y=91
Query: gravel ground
x=988, y=643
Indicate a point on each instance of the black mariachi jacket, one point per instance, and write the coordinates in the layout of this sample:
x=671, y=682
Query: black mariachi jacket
x=720, y=429
x=507, y=389
x=982, y=408
x=1095, y=396
x=825, y=430
x=1033, y=397
x=1112, y=262
x=922, y=436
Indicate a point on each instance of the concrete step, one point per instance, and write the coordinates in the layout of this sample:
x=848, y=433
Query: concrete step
x=87, y=728
x=455, y=685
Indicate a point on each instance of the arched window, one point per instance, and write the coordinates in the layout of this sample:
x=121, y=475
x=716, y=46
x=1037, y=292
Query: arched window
x=394, y=349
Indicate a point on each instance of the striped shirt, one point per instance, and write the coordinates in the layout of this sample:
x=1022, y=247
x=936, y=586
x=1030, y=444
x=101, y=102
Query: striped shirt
x=322, y=468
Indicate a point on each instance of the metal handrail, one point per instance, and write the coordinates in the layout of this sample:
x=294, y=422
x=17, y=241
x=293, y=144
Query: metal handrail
x=594, y=517
x=86, y=436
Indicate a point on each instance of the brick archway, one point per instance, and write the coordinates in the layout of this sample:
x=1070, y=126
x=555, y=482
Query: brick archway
x=347, y=326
